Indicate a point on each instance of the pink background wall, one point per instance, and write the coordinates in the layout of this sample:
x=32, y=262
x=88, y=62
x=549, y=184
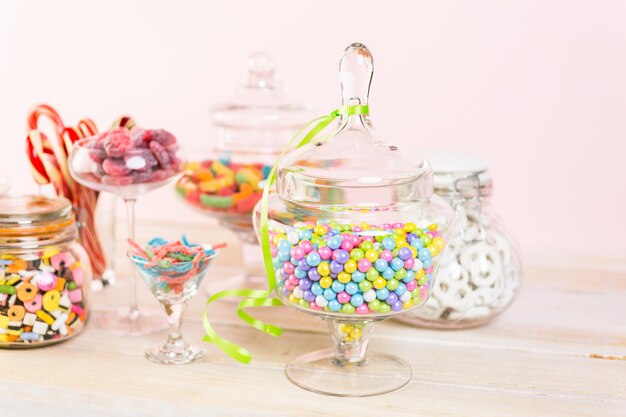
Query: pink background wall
x=537, y=86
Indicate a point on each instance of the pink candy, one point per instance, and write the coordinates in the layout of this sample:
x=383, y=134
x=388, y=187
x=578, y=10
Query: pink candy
x=363, y=309
x=409, y=263
x=387, y=255
x=343, y=297
x=410, y=286
x=325, y=252
x=306, y=245
x=364, y=265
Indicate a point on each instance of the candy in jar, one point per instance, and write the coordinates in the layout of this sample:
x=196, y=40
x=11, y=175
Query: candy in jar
x=481, y=270
x=44, y=272
x=248, y=133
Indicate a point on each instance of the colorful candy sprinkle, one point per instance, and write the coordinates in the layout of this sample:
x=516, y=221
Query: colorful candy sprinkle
x=355, y=269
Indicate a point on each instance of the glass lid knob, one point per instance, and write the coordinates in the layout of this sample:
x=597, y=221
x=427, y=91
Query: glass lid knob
x=261, y=69
x=356, y=69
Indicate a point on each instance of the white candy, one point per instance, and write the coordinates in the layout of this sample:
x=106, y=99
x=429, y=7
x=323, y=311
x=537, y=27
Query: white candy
x=405, y=297
x=29, y=319
x=479, y=274
x=40, y=327
x=297, y=292
x=293, y=238
x=370, y=295
x=321, y=301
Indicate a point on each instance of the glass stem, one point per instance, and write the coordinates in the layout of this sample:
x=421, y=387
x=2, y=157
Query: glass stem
x=175, y=312
x=350, y=341
x=130, y=220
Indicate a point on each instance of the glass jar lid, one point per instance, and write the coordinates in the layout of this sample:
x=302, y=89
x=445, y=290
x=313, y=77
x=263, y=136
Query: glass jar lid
x=261, y=112
x=353, y=167
x=460, y=174
x=30, y=215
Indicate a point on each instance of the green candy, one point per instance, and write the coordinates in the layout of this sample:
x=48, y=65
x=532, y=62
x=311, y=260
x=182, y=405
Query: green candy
x=72, y=285
x=372, y=274
x=401, y=274
x=374, y=305
x=366, y=245
x=356, y=254
x=384, y=308
x=392, y=284
x=216, y=201
x=365, y=286
x=7, y=289
x=347, y=308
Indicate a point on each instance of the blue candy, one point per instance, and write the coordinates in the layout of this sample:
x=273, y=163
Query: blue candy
x=329, y=294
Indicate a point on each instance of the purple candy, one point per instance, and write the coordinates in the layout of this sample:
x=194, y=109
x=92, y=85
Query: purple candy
x=393, y=297
x=284, y=274
x=410, y=237
x=340, y=256
x=303, y=265
x=305, y=284
x=286, y=292
x=308, y=295
x=405, y=254
x=336, y=267
x=397, y=306
x=314, y=275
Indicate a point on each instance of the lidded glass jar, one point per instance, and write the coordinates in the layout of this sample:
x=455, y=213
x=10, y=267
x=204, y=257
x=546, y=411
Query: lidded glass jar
x=481, y=270
x=44, y=272
x=355, y=234
x=248, y=134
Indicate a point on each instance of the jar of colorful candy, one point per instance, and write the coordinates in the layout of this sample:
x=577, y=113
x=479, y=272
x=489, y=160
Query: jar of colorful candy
x=44, y=272
x=355, y=235
x=248, y=134
x=481, y=271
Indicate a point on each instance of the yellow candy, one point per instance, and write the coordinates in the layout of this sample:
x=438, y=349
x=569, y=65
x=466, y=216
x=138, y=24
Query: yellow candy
x=419, y=274
x=345, y=328
x=3, y=338
x=51, y=299
x=50, y=252
x=371, y=255
x=399, y=231
x=326, y=282
x=433, y=250
x=344, y=277
x=356, y=333
x=380, y=283
x=348, y=339
x=45, y=317
x=433, y=227
x=4, y=322
x=413, y=251
x=192, y=166
x=221, y=169
x=323, y=269
x=409, y=227
x=439, y=243
x=319, y=230
x=407, y=304
x=293, y=299
x=350, y=266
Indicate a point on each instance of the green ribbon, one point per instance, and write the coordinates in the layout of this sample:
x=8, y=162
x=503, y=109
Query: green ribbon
x=263, y=298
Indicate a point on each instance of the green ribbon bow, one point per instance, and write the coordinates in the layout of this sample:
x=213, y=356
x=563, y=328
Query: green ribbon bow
x=263, y=298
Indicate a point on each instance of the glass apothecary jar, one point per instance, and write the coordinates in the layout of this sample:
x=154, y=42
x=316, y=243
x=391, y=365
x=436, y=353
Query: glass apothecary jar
x=248, y=133
x=481, y=271
x=44, y=272
x=355, y=233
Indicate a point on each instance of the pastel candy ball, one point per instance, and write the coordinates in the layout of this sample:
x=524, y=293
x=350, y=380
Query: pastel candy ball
x=313, y=259
x=405, y=254
x=343, y=297
x=325, y=252
x=364, y=265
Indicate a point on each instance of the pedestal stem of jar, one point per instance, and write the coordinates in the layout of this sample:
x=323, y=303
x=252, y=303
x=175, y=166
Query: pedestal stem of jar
x=252, y=255
x=105, y=227
x=174, y=313
x=350, y=340
x=130, y=222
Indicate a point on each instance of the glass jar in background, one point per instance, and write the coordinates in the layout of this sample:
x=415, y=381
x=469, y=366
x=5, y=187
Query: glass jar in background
x=45, y=273
x=481, y=270
x=5, y=184
x=248, y=134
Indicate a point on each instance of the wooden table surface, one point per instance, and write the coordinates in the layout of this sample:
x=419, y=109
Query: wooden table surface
x=558, y=351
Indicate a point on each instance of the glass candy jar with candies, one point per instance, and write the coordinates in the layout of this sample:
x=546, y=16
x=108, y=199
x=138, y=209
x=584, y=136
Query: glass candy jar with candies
x=248, y=134
x=355, y=235
x=44, y=272
x=481, y=271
